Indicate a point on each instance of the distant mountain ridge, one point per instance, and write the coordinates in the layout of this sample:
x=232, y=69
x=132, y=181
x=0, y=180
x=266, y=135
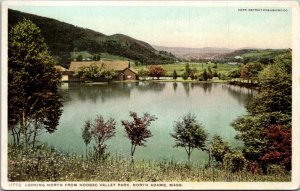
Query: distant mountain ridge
x=63, y=38
x=210, y=53
x=195, y=53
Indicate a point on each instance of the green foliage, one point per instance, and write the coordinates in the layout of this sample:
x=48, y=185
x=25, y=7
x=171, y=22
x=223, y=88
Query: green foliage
x=250, y=131
x=137, y=130
x=234, y=161
x=187, y=69
x=185, y=76
x=235, y=73
x=275, y=87
x=79, y=58
x=63, y=38
x=156, y=71
x=101, y=131
x=34, y=103
x=87, y=134
x=190, y=134
x=219, y=148
x=209, y=71
x=175, y=75
x=205, y=75
x=269, y=112
x=48, y=164
x=95, y=73
x=251, y=70
x=142, y=73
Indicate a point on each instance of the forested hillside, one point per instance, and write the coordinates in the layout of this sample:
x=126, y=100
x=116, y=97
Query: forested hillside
x=63, y=38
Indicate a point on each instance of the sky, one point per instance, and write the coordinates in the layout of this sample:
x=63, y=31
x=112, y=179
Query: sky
x=180, y=26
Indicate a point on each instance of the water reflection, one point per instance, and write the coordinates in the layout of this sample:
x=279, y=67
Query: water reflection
x=241, y=94
x=105, y=91
x=207, y=87
x=215, y=105
x=150, y=86
x=175, y=86
x=96, y=92
x=186, y=87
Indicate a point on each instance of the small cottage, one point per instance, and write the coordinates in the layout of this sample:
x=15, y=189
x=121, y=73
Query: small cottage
x=122, y=68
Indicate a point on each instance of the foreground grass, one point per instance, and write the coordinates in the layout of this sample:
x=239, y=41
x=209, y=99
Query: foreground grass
x=48, y=164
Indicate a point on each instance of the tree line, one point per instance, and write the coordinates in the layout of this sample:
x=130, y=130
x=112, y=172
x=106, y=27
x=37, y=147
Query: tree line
x=188, y=133
x=35, y=106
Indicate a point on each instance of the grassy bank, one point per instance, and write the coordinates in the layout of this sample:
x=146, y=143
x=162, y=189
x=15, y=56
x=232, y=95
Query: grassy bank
x=48, y=164
x=179, y=67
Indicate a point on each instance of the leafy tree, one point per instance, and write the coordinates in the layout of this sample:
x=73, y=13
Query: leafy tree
x=255, y=68
x=234, y=161
x=79, y=57
x=87, y=134
x=142, y=73
x=251, y=132
x=279, y=146
x=250, y=71
x=34, y=102
x=205, y=75
x=95, y=73
x=185, y=75
x=245, y=71
x=189, y=134
x=215, y=74
x=275, y=87
x=156, y=71
x=193, y=73
x=235, y=73
x=219, y=148
x=175, y=75
x=137, y=130
x=101, y=131
x=269, y=115
x=187, y=69
x=210, y=73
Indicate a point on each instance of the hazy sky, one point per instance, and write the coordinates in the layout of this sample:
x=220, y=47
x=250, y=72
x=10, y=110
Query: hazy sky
x=180, y=26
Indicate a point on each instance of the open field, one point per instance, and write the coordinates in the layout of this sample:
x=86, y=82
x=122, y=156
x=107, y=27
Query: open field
x=263, y=53
x=103, y=55
x=220, y=68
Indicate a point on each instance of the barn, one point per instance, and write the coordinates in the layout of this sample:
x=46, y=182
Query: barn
x=121, y=67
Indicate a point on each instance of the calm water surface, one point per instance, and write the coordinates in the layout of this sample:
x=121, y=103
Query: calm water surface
x=216, y=106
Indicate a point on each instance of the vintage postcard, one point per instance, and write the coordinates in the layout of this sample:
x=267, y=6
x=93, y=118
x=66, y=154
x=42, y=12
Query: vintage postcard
x=150, y=95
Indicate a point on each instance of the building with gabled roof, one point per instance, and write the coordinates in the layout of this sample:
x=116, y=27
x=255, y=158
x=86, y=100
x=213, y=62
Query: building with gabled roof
x=121, y=67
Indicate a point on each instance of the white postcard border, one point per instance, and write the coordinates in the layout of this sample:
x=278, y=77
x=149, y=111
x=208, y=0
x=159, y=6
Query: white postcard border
x=294, y=184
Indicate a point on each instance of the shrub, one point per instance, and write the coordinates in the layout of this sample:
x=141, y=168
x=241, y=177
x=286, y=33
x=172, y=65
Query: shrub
x=234, y=161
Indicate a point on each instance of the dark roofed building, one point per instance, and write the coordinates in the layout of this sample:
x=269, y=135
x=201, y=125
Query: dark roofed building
x=122, y=68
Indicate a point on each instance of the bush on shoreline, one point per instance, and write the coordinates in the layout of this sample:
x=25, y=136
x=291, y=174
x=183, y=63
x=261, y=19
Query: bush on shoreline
x=48, y=164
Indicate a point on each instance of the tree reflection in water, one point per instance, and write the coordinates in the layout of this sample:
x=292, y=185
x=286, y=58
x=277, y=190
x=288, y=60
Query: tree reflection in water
x=105, y=91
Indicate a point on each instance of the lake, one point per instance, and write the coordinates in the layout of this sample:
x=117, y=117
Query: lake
x=215, y=105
